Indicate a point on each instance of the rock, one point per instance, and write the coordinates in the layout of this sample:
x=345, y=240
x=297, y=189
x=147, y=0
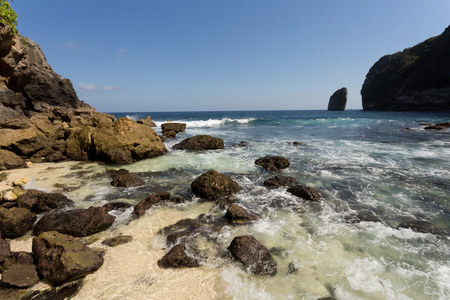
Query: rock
x=9, y=160
x=117, y=206
x=118, y=240
x=16, y=222
x=148, y=202
x=415, y=79
x=61, y=258
x=3, y=176
x=240, y=144
x=439, y=126
x=147, y=121
x=273, y=163
x=181, y=230
x=9, y=196
x=77, y=222
x=5, y=249
x=200, y=143
x=305, y=192
x=177, y=127
x=177, y=258
x=62, y=292
x=213, y=185
x=280, y=181
x=225, y=201
x=169, y=134
x=22, y=258
x=254, y=255
x=127, y=180
x=238, y=215
x=38, y=201
x=292, y=269
x=338, y=101
x=21, y=182
x=21, y=276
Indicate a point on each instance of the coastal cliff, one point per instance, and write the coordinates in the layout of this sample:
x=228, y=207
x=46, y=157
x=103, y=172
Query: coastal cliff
x=338, y=101
x=42, y=119
x=418, y=78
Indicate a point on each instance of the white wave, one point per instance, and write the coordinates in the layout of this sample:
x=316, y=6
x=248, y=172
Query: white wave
x=132, y=117
x=209, y=122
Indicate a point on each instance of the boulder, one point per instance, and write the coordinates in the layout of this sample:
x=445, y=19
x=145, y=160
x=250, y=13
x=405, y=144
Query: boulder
x=21, y=275
x=169, y=134
x=16, y=222
x=38, y=201
x=147, y=121
x=177, y=127
x=177, y=258
x=280, y=181
x=127, y=180
x=9, y=160
x=77, y=222
x=212, y=185
x=61, y=258
x=305, y=192
x=22, y=258
x=181, y=230
x=238, y=215
x=416, y=78
x=5, y=249
x=64, y=291
x=273, y=163
x=254, y=255
x=118, y=240
x=338, y=101
x=148, y=202
x=117, y=206
x=200, y=143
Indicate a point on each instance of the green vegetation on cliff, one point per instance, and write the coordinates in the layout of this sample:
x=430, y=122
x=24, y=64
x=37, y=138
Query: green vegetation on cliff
x=8, y=16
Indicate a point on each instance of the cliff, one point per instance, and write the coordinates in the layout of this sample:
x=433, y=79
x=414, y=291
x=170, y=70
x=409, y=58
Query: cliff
x=417, y=78
x=338, y=101
x=42, y=119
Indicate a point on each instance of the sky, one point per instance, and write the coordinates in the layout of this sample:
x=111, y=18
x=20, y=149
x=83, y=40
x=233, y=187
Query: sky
x=207, y=55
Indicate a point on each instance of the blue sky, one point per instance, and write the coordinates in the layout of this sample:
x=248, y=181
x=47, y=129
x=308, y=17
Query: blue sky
x=202, y=55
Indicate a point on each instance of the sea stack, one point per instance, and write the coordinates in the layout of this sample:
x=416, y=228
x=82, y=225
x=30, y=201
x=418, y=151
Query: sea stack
x=417, y=78
x=338, y=101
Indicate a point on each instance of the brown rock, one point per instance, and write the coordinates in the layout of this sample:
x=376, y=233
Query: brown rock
x=16, y=222
x=213, y=185
x=147, y=121
x=305, y=192
x=254, y=255
x=127, y=180
x=62, y=258
x=116, y=205
x=238, y=215
x=5, y=249
x=38, y=201
x=273, y=163
x=148, y=202
x=77, y=222
x=118, y=240
x=280, y=181
x=177, y=127
x=9, y=160
x=177, y=258
x=200, y=143
x=21, y=276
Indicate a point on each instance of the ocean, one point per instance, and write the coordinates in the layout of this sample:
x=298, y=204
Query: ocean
x=380, y=231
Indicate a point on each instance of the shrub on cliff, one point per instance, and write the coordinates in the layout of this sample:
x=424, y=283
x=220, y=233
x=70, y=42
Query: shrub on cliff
x=8, y=16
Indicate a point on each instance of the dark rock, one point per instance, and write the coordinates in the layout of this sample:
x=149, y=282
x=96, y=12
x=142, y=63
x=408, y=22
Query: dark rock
x=213, y=185
x=117, y=206
x=9, y=160
x=200, y=143
x=5, y=249
x=181, y=230
x=38, y=201
x=292, y=269
x=3, y=176
x=254, y=255
x=61, y=258
x=16, y=222
x=338, y=101
x=62, y=292
x=444, y=124
x=176, y=127
x=77, y=222
x=238, y=215
x=176, y=199
x=21, y=275
x=280, y=181
x=273, y=163
x=127, y=180
x=147, y=121
x=118, y=240
x=240, y=144
x=148, y=202
x=415, y=79
x=439, y=126
x=22, y=258
x=170, y=134
x=177, y=258
x=305, y=192
x=118, y=172
x=225, y=201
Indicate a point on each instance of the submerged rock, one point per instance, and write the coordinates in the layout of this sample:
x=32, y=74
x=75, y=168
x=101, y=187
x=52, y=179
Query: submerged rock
x=280, y=181
x=21, y=275
x=177, y=258
x=16, y=222
x=212, y=185
x=305, y=192
x=200, y=143
x=254, y=255
x=238, y=215
x=38, y=201
x=77, y=222
x=338, y=101
x=127, y=180
x=61, y=258
x=118, y=240
x=273, y=163
x=148, y=202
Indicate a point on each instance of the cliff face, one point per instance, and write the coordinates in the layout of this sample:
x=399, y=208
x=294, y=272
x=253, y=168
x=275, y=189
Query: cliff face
x=42, y=119
x=417, y=78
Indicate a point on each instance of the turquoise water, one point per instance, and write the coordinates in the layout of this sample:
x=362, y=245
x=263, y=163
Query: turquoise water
x=370, y=166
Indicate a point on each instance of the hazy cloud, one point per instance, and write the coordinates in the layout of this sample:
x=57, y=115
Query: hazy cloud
x=96, y=88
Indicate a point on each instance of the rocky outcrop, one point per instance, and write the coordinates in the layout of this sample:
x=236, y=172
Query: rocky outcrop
x=126, y=180
x=62, y=258
x=177, y=258
x=147, y=121
x=305, y=192
x=273, y=163
x=254, y=255
x=38, y=201
x=170, y=130
x=417, y=78
x=280, y=181
x=212, y=185
x=148, y=202
x=338, y=101
x=238, y=215
x=200, y=143
x=42, y=119
x=16, y=222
